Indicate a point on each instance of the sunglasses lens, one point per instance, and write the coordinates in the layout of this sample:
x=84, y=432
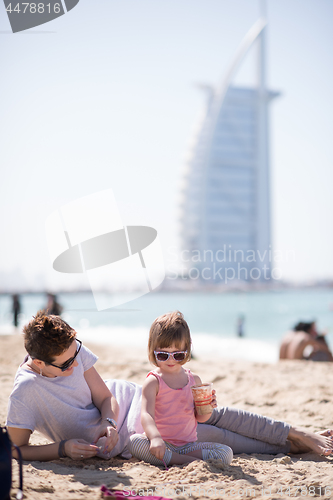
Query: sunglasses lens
x=67, y=364
x=179, y=356
x=162, y=356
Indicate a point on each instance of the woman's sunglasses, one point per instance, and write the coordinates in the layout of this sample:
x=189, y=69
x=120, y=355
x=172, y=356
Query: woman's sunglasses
x=69, y=361
x=164, y=356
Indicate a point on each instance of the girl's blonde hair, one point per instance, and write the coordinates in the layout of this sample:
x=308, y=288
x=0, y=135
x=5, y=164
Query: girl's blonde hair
x=168, y=329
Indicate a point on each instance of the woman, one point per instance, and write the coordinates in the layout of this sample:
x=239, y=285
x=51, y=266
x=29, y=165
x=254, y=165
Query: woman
x=58, y=392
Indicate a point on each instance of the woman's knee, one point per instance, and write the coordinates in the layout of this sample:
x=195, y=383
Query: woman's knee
x=218, y=452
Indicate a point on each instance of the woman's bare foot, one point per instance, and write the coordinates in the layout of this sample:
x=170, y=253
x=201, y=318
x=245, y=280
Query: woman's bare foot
x=328, y=432
x=303, y=441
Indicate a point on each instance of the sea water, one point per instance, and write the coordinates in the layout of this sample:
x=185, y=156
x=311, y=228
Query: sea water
x=212, y=318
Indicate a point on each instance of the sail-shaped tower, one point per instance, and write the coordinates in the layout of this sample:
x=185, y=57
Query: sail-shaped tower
x=225, y=196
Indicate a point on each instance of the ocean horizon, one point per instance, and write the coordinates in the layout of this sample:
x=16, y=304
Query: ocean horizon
x=212, y=318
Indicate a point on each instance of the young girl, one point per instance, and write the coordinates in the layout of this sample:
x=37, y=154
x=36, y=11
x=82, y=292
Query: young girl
x=168, y=415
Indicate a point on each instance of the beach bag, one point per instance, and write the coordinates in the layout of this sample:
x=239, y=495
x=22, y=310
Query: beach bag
x=6, y=466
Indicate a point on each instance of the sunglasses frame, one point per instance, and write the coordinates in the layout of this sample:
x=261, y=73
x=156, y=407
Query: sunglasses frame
x=69, y=361
x=170, y=354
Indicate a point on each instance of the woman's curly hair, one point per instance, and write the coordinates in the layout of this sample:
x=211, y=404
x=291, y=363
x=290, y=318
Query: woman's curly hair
x=47, y=336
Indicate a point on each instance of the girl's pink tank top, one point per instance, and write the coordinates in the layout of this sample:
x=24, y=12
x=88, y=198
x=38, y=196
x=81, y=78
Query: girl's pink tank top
x=174, y=412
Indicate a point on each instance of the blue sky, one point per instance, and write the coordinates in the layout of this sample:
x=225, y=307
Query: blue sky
x=105, y=97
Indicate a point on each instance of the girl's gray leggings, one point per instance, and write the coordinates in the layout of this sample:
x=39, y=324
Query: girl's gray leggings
x=245, y=432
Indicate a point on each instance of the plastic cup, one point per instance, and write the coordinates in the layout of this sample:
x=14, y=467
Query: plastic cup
x=202, y=396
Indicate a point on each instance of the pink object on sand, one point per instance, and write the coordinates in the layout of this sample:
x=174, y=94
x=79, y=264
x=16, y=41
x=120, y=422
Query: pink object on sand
x=119, y=495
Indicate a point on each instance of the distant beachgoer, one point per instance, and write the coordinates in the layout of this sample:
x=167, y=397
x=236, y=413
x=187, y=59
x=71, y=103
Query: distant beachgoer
x=53, y=306
x=304, y=337
x=240, y=326
x=16, y=309
x=168, y=414
x=58, y=392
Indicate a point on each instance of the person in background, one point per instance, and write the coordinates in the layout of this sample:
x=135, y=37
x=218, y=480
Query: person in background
x=240, y=325
x=16, y=309
x=53, y=307
x=304, y=342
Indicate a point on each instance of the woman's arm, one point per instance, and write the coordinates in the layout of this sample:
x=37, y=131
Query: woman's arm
x=74, y=448
x=107, y=405
x=203, y=418
x=149, y=392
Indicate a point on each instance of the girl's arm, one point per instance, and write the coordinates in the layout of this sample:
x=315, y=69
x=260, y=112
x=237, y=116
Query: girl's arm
x=204, y=418
x=149, y=392
x=107, y=405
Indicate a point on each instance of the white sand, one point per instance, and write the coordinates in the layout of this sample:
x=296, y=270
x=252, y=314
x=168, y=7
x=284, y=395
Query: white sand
x=298, y=392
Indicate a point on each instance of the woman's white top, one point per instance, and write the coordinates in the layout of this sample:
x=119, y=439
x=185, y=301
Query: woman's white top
x=62, y=407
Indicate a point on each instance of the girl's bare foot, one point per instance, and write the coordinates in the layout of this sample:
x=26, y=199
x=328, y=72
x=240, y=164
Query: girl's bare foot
x=303, y=441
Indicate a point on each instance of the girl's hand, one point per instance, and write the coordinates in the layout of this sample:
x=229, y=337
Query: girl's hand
x=213, y=401
x=213, y=404
x=111, y=435
x=79, y=449
x=157, y=448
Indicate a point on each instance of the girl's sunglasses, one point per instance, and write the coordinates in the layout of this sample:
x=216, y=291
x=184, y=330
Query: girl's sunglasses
x=164, y=356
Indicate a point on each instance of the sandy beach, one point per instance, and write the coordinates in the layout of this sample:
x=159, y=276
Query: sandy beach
x=298, y=392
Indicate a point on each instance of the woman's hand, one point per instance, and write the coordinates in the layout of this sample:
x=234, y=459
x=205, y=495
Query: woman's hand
x=79, y=449
x=157, y=447
x=108, y=407
x=111, y=435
